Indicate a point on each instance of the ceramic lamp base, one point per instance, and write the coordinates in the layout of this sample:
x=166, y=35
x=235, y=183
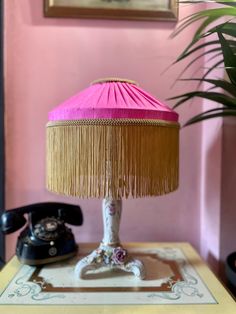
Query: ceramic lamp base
x=111, y=258
x=110, y=254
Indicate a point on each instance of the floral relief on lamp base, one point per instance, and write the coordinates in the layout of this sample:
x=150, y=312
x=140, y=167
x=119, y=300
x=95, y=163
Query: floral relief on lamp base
x=110, y=253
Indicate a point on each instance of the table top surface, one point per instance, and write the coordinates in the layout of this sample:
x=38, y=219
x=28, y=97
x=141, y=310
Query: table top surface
x=177, y=281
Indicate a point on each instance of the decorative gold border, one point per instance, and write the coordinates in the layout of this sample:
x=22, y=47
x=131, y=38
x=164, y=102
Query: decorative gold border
x=217, y=299
x=165, y=287
x=113, y=122
x=113, y=79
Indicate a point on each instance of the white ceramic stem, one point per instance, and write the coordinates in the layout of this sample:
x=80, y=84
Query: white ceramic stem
x=111, y=211
x=110, y=253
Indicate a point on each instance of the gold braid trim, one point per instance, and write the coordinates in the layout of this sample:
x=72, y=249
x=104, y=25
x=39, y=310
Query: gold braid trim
x=115, y=122
x=114, y=79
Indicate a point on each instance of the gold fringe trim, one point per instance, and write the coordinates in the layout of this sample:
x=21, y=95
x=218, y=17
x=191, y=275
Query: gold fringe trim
x=115, y=160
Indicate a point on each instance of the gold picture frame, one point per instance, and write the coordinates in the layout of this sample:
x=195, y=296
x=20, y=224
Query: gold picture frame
x=166, y=10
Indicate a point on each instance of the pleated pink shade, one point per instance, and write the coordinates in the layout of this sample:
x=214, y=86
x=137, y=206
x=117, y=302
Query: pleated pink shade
x=113, y=100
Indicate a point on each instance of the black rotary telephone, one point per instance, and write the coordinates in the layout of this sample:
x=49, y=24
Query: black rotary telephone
x=46, y=238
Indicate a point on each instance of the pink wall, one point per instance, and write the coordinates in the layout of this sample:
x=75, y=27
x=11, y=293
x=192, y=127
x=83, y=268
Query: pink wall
x=48, y=60
x=211, y=173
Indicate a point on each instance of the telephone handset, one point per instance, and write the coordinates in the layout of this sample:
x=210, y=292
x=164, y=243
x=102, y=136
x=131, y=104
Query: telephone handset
x=46, y=238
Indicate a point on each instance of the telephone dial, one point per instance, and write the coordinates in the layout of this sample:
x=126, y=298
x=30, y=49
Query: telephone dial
x=46, y=238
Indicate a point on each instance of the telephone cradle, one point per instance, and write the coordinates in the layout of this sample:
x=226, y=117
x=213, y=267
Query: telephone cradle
x=46, y=238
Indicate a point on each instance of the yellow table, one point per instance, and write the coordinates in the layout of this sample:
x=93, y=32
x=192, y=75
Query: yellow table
x=178, y=281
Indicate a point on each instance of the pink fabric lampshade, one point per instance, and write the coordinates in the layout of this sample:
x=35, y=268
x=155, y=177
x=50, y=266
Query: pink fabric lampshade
x=112, y=100
x=112, y=139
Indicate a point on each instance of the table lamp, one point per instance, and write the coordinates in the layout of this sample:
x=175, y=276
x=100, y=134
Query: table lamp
x=112, y=140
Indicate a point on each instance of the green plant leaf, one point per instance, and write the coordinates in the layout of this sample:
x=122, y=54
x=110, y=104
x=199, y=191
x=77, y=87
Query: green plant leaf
x=209, y=16
x=213, y=67
x=225, y=85
x=187, y=52
x=229, y=58
x=204, y=42
x=227, y=28
x=210, y=114
x=220, y=98
x=226, y=2
x=199, y=57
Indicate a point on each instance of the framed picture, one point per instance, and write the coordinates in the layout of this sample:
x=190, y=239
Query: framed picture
x=113, y=9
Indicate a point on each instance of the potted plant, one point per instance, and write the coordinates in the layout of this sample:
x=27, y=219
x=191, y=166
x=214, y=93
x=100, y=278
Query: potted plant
x=217, y=38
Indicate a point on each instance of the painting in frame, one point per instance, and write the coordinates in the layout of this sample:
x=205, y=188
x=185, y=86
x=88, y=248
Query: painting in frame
x=113, y=9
